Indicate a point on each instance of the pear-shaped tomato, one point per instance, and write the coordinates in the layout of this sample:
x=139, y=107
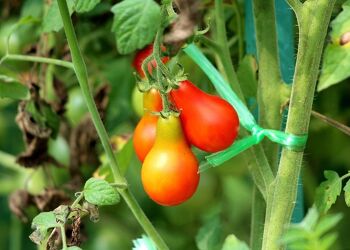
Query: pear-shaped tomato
x=170, y=171
x=142, y=55
x=145, y=131
x=210, y=123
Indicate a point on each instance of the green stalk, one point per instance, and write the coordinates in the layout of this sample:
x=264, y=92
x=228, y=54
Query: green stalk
x=257, y=220
x=240, y=33
x=39, y=59
x=313, y=19
x=63, y=237
x=81, y=73
x=270, y=82
x=225, y=54
x=255, y=157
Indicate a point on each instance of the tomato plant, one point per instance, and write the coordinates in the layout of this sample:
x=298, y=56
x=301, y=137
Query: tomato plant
x=211, y=163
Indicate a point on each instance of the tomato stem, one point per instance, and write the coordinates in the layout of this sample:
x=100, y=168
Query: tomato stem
x=82, y=76
x=313, y=19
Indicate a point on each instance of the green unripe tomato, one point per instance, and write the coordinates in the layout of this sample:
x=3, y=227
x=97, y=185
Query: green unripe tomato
x=137, y=101
x=75, y=108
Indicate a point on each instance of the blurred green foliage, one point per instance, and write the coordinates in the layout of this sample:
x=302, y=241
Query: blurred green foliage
x=221, y=205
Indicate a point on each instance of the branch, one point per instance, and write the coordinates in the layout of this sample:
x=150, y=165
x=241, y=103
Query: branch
x=342, y=127
x=38, y=59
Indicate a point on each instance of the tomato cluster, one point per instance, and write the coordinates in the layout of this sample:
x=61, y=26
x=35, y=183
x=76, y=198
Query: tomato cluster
x=170, y=170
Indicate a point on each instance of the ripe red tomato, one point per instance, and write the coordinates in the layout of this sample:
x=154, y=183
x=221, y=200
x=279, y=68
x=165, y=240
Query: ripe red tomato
x=210, y=123
x=142, y=55
x=170, y=171
x=145, y=131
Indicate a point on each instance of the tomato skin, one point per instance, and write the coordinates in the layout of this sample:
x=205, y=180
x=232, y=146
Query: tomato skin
x=145, y=131
x=170, y=171
x=210, y=123
x=142, y=55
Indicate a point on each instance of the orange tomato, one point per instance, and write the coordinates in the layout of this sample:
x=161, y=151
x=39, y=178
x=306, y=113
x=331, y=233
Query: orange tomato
x=170, y=170
x=145, y=131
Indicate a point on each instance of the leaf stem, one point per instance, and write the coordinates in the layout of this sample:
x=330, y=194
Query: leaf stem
x=63, y=236
x=81, y=73
x=58, y=62
x=225, y=54
x=342, y=127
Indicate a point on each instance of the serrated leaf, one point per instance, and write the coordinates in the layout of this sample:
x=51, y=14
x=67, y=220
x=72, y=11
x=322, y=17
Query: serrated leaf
x=347, y=193
x=85, y=5
x=135, y=24
x=11, y=88
x=100, y=192
x=328, y=191
x=327, y=223
x=232, y=243
x=335, y=66
x=208, y=236
x=53, y=21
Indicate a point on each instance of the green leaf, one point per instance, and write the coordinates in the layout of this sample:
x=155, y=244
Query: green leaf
x=328, y=191
x=208, y=236
x=328, y=240
x=327, y=223
x=73, y=248
x=247, y=77
x=135, y=24
x=311, y=232
x=341, y=24
x=85, y=5
x=100, y=192
x=45, y=220
x=335, y=67
x=11, y=88
x=42, y=223
x=144, y=243
x=347, y=193
x=232, y=243
x=53, y=21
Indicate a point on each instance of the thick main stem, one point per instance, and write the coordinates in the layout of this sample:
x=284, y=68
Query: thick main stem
x=313, y=18
x=81, y=73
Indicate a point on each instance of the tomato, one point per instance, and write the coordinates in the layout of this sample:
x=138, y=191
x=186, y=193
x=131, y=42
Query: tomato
x=210, y=123
x=136, y=100
x=145, y=131
x=170, y=171
x=142, y=55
